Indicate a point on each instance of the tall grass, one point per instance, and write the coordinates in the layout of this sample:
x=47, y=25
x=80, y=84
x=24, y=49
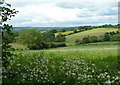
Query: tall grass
x=63, y=67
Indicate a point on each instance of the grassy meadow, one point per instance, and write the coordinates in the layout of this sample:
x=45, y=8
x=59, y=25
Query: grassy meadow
x=91, y=63
x=70, y=39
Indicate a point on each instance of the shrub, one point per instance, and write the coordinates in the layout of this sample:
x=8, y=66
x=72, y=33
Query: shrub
x=93, y=39
x=106, y=37
x=48, y=36
x=60, y=38
x=115, y=37
x=77, y=41
x=54, y=45
x=53, y=30
x=86, y=40
x=42, y=45
x=75, y=31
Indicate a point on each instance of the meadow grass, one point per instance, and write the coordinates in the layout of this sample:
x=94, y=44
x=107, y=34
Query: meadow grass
x=94, y=32
x=65, y=66
x=18, y=46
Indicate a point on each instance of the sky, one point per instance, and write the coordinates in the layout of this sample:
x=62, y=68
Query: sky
x=63, y=13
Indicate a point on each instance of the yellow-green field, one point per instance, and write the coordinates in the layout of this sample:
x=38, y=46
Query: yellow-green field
x=64, y=33
x=70, y=39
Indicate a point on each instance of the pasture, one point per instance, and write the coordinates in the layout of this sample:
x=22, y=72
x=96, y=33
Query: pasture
x=70, y=39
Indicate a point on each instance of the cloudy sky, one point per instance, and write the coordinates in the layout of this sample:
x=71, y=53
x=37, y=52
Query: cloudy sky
x=64, y=13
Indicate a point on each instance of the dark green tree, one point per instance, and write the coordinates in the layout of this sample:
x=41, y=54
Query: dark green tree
x=62, y=30
x=60, y=38
x=106, y=37
x=77, y=41
x=32, y=38
x=93, y=39
x=48, y=36
x=86, y=40
x=5, y=30
x=75, y=31
x=53, y=30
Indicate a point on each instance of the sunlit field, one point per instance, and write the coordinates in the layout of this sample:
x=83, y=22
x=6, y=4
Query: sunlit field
x=70, y=39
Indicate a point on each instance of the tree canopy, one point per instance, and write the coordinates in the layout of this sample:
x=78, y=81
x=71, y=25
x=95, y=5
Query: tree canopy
x=6, y=13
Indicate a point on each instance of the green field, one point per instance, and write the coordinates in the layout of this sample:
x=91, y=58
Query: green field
x=18, y=46
x=96, y=63
x=70, y=39
x=85, y=63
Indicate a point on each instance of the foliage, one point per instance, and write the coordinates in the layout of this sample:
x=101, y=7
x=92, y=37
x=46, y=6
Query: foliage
x=60, y=38
x=35, y=40
x=62, y=67
x=53, y=30
x=93, y=39
x=77, y=41
x=32, y=38
x=85, y=40
x=115, y=37
x=62, y=30
x=48, y=36
x=54, y=45
x=106, y=37
x=42, y=45
x=75, y=31
x=6, y=13
x=94, y=32
x=71, y=29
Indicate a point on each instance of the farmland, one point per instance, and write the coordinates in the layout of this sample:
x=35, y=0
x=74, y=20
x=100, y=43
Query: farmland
x=59, y=43
x=70, y=39
x=81, y=63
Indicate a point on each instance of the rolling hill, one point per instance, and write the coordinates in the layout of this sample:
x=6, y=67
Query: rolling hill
x=70, y=39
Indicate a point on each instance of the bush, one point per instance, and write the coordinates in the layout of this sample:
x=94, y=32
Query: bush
x=93, y=39
x=70, y=33
x=60, y=38
x=54, y=45
x=42, y=45
x=53, y=30
x=115, y=37
x=112, y=33
x=89, y=39
x=77, y=41
x=48, y=36
x=86, y=40
x=106, y=37
x=75, y=31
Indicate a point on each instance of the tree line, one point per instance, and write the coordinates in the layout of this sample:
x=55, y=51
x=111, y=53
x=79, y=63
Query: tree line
x=82, y=28
x=108, y=36
x=36, y=39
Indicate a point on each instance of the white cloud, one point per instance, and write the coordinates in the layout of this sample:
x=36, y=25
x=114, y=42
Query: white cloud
x=64, y=13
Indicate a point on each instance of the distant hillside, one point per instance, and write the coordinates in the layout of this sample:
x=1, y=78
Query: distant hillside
x=70, y=39
x=19, y=29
